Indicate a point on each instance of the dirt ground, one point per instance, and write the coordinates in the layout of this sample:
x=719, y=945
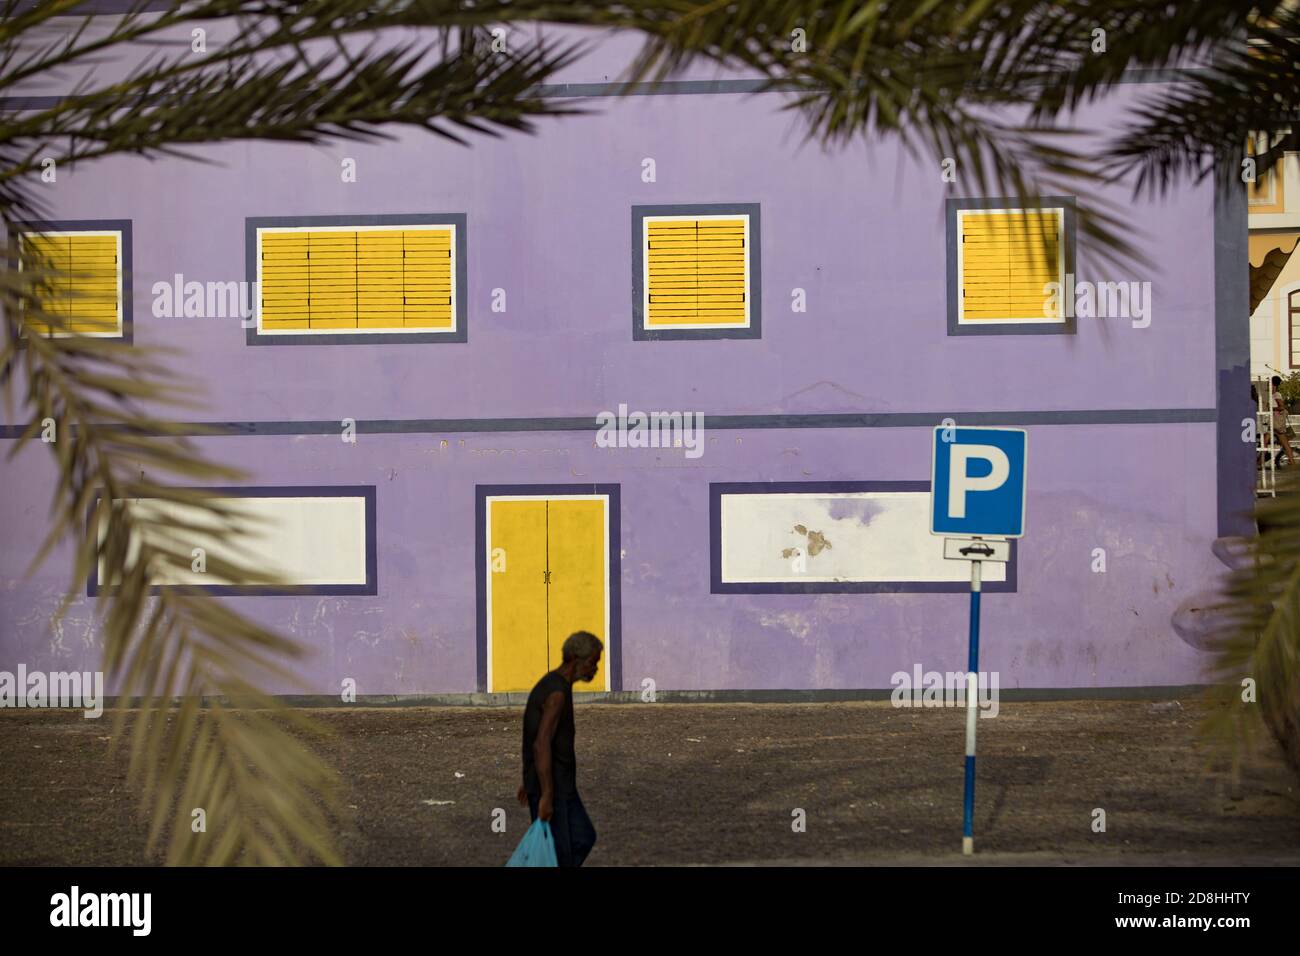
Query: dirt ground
x=672, y=784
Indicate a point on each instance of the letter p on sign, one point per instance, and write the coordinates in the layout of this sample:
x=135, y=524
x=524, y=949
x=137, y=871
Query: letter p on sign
x=960, y=479
x=978, y=482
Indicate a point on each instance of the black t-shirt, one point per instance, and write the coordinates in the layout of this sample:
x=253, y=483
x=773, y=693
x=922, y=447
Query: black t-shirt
x=564, y=766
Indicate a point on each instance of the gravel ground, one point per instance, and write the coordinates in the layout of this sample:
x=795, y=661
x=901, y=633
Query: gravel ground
x=674, y=784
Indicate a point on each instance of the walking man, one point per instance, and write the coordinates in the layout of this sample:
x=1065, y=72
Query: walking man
x=550, y=767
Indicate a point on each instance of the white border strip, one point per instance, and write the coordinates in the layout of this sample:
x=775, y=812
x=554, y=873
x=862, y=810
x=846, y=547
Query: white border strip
x=409, y=227
x=645, y=272
x=117, y=234
x=1060, y=267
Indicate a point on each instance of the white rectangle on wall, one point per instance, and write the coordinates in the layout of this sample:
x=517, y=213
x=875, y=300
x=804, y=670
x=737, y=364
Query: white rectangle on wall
x=871, y=536
x=307, y=541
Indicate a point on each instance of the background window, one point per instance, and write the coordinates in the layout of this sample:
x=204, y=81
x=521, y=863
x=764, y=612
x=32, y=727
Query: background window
x=84, y=292
x=359, y=279
x=695, y=272
x=315, y=540
x=1006, y=260
x=1002, y=260
x=832, y=537
x=1265, y=194
x=380, y=279
x=1293, y=326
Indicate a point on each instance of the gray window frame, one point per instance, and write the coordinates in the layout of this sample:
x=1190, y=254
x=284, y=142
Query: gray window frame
x=1069, y=326
x=459, y=334
x=123, y=226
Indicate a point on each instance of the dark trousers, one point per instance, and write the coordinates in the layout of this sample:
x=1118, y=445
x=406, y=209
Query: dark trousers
x=570, y=826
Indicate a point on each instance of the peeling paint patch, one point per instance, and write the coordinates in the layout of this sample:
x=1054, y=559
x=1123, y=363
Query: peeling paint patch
x=798, y=625
x=817, y=543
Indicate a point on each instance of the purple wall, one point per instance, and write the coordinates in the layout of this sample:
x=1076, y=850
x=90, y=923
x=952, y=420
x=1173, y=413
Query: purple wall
x=861, y=229
x=1065, y=627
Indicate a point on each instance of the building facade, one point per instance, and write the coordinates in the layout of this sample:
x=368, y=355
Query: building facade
x=1273, y=201
x=669, y=374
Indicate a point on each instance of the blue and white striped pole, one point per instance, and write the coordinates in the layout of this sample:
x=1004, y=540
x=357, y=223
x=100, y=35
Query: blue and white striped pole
x=972, y=710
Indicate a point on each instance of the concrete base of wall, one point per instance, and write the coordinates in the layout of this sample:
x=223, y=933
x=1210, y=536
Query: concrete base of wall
x=518, y=699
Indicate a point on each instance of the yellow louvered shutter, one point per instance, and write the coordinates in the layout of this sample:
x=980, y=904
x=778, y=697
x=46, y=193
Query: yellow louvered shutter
x=364, y=279
x=332, y=280
x=283, y=281
x=84, y=289
x=697, y=271
x=380, y=278
x=428, y=279
x=1007, y=259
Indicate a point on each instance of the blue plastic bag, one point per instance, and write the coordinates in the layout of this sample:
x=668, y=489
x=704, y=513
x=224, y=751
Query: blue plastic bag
x=537, y=848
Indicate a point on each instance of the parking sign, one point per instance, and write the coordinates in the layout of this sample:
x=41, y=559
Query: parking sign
x=977, y=482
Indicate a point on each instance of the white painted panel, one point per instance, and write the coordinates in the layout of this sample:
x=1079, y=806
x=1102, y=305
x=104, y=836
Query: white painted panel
x=307, y=541
x=870, y=536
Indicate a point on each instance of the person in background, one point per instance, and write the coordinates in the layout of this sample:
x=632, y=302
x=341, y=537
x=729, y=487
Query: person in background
x=1281, y=429
x=1262, y=440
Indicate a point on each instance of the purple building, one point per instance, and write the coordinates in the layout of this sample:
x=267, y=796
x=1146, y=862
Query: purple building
x=447, y=384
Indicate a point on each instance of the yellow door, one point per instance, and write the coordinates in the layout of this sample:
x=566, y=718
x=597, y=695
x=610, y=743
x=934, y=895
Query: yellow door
x=576, y=598
x=517, y=574
x=546, y=567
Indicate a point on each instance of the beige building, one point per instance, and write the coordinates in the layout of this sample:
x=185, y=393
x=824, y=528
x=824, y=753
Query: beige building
x=1274, y=208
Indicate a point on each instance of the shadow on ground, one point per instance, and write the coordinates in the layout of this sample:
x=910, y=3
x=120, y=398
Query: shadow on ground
x=671, y=784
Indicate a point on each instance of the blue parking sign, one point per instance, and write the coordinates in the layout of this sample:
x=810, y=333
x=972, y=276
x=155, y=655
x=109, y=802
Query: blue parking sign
x=977, y=482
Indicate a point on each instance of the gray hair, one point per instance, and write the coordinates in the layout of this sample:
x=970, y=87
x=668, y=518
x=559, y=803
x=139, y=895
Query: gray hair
x=581, y=644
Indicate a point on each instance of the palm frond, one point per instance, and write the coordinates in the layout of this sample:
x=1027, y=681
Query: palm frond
x=1256, y=661
x=267, y=797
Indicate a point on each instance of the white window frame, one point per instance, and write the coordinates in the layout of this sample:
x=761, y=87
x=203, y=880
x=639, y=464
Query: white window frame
x=407, y=227
x=1060, y=267
x=116, y=234
x=645, y=273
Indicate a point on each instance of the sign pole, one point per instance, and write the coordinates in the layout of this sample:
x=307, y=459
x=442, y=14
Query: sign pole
x=972, y=710
x=967, y=504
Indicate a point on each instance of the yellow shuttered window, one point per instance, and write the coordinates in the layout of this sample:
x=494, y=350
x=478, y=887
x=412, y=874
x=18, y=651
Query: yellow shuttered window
x=697, y=271
x=1007, y=258
x=350, y=279
x=81, y=281
x=1265, y=191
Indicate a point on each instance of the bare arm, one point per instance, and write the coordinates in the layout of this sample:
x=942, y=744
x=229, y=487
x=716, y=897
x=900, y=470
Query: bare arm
x=551, y=709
